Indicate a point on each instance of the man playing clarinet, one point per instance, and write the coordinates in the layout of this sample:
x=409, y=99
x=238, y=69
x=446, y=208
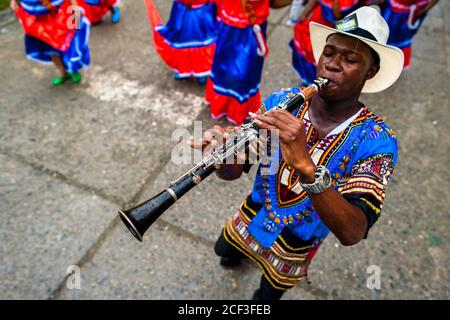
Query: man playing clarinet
x=335, y=159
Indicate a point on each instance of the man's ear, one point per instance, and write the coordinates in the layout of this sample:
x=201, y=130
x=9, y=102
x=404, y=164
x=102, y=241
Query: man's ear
x=373, y=70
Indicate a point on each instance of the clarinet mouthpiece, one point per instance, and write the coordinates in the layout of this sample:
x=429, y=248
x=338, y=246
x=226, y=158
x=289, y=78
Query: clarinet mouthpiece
x=321, y=83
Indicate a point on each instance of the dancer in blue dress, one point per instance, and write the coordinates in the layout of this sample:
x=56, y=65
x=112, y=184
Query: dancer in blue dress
x=54, y=34
x=405, y=17
x=187, y=41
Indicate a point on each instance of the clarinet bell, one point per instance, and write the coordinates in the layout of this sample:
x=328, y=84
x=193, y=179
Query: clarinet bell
x=141, y=217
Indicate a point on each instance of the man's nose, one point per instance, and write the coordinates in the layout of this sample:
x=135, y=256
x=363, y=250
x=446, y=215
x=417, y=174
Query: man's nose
x=334, y=64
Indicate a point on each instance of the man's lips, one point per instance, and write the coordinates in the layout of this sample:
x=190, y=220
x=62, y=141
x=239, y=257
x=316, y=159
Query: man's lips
x=330, y=83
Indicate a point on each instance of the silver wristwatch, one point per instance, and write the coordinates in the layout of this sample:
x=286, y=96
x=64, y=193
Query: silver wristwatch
x=322, y=181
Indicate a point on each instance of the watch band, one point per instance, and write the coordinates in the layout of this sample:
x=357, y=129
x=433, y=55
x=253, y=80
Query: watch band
x=321, y=182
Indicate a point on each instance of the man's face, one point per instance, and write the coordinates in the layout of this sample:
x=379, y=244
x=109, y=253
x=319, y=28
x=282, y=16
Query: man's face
x=347, y=62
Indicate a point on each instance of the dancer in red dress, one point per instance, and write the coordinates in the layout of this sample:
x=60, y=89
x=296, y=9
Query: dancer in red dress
x=187, y=41
x=233, y=87
x=405, y=18
x=55, y=33
x=325, y=12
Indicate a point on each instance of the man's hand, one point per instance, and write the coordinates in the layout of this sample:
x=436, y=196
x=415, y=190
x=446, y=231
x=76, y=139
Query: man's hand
x=291, y=132
x=14, y=6
x=213, y=138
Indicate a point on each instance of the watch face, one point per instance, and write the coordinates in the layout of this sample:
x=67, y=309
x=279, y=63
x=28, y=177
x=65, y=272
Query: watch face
x=326, y=178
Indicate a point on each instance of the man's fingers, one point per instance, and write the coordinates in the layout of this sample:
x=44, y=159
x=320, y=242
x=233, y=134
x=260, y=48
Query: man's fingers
x=284, y=116
x=286, y=122
x=210, y=137
x=215, y=133
x=265, y=125
x=231, y=128
x=273, y=121
x=229, y=131
x=197, y=144
x=213, y=137
x=218, y=128
x=207, y=136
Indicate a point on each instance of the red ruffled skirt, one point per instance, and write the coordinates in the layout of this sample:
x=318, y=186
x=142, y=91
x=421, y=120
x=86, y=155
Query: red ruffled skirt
x=186, y=42
x=51, y=28
x=95, y=13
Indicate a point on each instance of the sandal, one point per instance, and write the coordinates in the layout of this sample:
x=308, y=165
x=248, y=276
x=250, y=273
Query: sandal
x=76, y=77
x=57, y=81
x=115, y=15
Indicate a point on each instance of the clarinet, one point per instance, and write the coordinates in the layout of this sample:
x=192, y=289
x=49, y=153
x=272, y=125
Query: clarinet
x=139, y=218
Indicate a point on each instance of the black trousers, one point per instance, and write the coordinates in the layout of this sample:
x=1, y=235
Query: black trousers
x=266, y=291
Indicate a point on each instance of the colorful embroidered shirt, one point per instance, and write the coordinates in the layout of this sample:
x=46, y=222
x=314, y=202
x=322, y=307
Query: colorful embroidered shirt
x=360, y=157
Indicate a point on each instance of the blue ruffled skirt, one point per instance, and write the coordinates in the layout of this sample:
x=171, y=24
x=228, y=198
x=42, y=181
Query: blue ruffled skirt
x=74, y=59
x=237, y=68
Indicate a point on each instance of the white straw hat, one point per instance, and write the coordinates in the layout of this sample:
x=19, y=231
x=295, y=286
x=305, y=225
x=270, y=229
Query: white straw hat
x=367, y=25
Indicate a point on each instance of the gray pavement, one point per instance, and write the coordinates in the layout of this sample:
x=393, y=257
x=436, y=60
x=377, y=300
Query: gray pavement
x=71, y=156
